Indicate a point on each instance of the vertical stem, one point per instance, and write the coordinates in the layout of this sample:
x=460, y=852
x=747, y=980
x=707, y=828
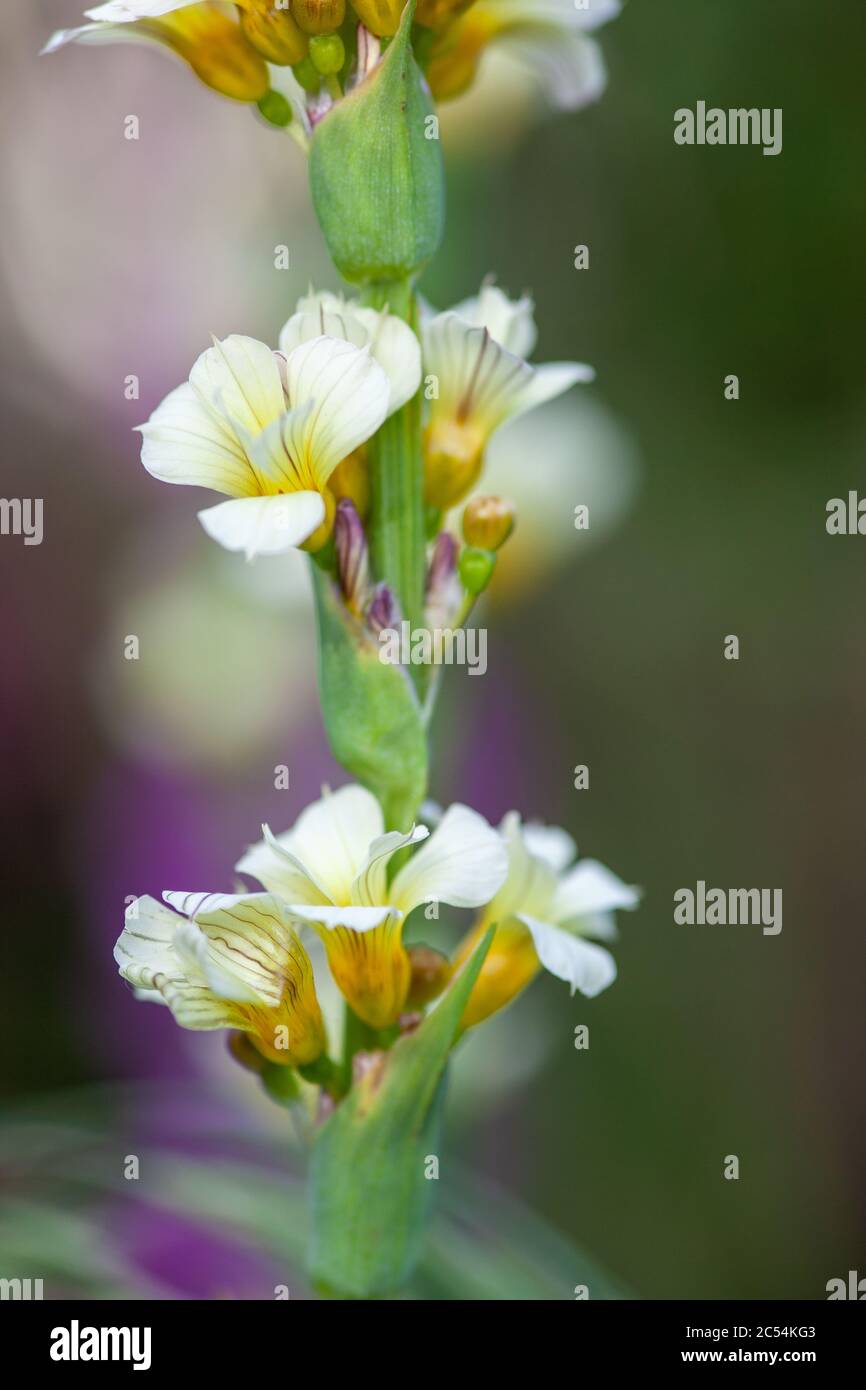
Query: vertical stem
x=396, y=527
x=358, y=1036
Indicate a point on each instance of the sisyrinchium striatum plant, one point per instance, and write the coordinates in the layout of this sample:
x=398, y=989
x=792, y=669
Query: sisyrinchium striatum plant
x=358, y=438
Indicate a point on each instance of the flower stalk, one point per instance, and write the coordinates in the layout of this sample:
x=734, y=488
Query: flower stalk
x=397, y=536
x=327, y=443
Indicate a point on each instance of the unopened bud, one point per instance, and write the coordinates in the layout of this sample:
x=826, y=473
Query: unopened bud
x=307, y=75
x=381, y=17
x=442, y=595
x=431, y=971
x=488, y=522
x=384, y=611
x=327, y=53
x=376, y=179
x=272, y=32
x=476, y=568
x=319, y=16
x=276, y=109
x=353, y=566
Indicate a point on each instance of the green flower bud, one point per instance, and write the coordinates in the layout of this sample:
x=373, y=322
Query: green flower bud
x=376, y=171
x=307, y=75
x=327, y=53
x=275, y=108
x=476, y=568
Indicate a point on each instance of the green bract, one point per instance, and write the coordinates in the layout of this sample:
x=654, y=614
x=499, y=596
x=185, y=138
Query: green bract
x=376, y=171
x=372, y=1187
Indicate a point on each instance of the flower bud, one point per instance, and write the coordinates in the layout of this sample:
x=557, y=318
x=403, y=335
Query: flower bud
x=327, y=53
x=353, y=564
x=217, y=50
x=476, y=569
x=307, y=75
x=276, y=109
x=376, y=177
x=431, y=971
x=384, y=611
x=442, y=597
x=453, y=457
x=488, y=522
x=319, y=16
x=381, y=17
x=351, y=478
x=272, y=32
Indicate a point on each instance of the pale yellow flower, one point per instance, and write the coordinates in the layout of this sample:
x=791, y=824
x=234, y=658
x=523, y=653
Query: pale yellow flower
x=331, y=871
x=222, y=961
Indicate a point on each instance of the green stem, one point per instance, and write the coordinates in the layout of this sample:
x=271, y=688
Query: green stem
x=396, y=529
x=325, y=1073
x=358, y=1036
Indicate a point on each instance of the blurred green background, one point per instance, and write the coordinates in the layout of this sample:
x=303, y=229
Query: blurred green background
x=703, y=262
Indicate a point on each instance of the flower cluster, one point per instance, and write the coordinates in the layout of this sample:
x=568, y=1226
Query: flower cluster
x=239, y=962
x=293, y=59
x=284, y=434
x=357, y=438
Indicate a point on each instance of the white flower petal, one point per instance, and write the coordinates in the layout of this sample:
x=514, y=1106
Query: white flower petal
x=370, y=886
x=192, y=945
x=601, y=926
x=581, y=964
x=125, y=11
x=550, y=843
x=272, y=862
x=569, y=68
x=240, y=943
x=323, y=316
x=397, y=350
x=93, y=34
x=463, y=863
x=590, y=888
x=510, y=322
x=557, y=14
x=531, y=882
x=144, y=952
x=264, y=525
x=239, y=377
x=477, y=379
x=185, y=441
x=545, y=383
x=350, y=394
x=332, y=838
x=360, y=919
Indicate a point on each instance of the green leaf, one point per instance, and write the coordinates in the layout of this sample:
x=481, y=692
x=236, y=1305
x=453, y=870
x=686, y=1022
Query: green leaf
x=371, y=712
x=376, y=177
x=371, y=1199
